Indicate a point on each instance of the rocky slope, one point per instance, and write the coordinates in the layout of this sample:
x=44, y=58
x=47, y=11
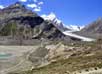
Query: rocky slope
x=95, y=27
x=80, y=58
x=93, y=30
x=17, y=21
x=53, y=18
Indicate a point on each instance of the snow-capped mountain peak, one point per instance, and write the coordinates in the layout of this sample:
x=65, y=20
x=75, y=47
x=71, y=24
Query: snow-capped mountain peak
x=52, y=17
x=66, y=29
x=58, y=23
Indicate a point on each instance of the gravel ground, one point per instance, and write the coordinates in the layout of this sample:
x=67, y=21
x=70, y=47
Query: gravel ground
x=16, y=60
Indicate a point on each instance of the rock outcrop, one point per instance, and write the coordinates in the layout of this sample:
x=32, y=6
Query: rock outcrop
x=19, y=22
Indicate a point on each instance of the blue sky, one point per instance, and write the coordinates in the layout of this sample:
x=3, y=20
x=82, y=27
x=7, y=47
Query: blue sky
x=71, y=12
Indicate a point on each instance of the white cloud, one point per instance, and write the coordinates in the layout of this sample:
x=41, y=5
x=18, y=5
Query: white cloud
x=23, y=0
x=35, y=0
x=37, y=9
x=36, y=6
x=1, y=7
x=40, y=3
x=32, y=5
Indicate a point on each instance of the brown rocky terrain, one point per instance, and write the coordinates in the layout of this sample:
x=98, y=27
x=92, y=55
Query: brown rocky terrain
x=18, y=23
x=67, y=59
x=93, y=30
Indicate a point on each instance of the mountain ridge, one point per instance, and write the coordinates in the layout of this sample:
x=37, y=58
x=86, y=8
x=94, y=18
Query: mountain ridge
x=53, y=18
x=32, y=26
x=93, y=30
x=18, y=22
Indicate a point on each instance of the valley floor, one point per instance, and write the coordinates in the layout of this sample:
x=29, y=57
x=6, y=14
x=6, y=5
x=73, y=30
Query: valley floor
x=16, y=61
x=84, y=59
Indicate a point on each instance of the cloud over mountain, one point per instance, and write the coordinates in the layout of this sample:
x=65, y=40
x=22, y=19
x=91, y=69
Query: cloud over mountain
x=36, y=6
x=1, y=7
x=37, y=9
x=32, y=5
x=40, y=3
x=23, y=0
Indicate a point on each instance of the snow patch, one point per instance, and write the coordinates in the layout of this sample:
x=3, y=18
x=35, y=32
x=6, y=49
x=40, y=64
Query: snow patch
x=75, y=27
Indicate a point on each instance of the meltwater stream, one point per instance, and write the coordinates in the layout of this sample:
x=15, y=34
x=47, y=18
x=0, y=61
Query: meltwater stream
x=4, y=55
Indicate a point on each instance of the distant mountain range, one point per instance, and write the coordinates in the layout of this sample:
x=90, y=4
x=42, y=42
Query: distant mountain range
x=58, y=23
x=66, y=29
x=18, y=22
